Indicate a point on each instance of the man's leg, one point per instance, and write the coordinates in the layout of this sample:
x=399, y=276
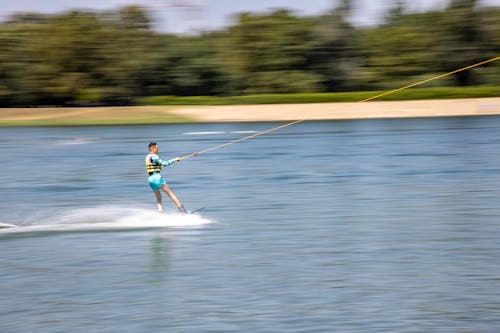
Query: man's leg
x=174, y=198
x=158, y=201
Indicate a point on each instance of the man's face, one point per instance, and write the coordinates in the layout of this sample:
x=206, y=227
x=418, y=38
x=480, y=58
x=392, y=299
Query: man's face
x=154, y=149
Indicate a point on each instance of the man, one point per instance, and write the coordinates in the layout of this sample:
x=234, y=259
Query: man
x=155, y=180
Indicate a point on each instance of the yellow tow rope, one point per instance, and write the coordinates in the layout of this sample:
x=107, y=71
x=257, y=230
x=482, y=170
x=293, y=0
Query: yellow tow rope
x=365, y=100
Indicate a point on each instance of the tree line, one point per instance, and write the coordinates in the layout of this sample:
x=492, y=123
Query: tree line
x=114, y=57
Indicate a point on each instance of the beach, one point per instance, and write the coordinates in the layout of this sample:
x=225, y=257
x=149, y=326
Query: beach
x=338, y=111
x=129, y=115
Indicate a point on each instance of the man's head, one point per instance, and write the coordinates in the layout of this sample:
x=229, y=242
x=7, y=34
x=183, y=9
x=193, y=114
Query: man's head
x=153, y=147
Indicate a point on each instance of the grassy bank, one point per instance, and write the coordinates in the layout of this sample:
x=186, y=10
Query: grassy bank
x=408, y=94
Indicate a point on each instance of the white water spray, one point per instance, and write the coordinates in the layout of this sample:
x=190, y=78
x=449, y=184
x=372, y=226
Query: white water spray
x=109, y=218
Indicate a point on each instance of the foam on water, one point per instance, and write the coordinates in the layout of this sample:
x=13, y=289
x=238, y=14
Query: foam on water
x=108, y=218
x=204, y=133
x=76, y=141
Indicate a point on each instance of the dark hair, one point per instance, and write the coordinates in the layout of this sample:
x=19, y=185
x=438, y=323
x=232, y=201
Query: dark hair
x=151, y=144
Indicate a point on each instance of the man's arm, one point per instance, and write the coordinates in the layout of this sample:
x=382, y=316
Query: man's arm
x=157, y=159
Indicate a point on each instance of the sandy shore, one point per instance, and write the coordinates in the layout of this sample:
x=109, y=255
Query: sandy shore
x=269, y=112
x=336, y=111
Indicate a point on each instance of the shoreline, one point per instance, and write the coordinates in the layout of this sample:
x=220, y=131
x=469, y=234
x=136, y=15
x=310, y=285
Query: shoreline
x=344, y=111
x=137, y=115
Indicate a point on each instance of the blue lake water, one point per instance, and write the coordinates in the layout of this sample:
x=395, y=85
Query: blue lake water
x=348, y=226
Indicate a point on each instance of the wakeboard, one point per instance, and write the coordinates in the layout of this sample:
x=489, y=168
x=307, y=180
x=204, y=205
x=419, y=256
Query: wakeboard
x=196, y=210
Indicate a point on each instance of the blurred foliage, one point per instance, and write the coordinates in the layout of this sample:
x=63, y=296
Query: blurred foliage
x=115, y=57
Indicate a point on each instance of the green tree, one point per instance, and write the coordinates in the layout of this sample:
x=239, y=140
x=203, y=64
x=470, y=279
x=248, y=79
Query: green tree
x=334, y=52
x=459, y=39
x=402, y=50
x=269, y=53
x=490, y=31
x=183, y=66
